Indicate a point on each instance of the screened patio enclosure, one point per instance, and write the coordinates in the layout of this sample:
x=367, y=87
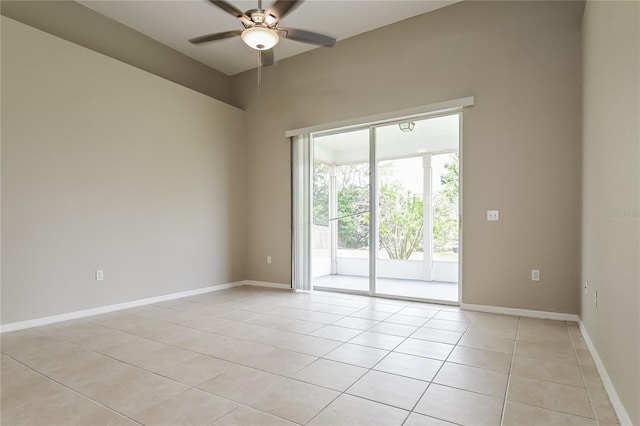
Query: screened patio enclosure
x=415, y=186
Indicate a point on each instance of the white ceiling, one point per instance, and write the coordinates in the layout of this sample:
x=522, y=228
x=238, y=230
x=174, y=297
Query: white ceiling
x=430, y=135
x=174, y=22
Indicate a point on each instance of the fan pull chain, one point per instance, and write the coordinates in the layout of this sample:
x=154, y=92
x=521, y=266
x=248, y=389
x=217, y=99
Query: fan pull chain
x=259, y=56
x=259, y=69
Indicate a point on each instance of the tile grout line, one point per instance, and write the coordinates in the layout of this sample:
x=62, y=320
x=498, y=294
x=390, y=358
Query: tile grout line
x=190, y=387
x=291, y=377
x=584, y=380
x=69, y=388
x=438, y=371
x=344, y=392
x=513, y=357
x=242, y=365
x=548, y=381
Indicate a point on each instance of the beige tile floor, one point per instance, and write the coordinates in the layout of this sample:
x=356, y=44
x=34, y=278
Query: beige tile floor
x=257, y=356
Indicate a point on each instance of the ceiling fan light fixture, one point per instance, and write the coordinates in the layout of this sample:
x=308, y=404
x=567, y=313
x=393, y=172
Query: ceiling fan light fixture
x=260, y=38
x=407, y=127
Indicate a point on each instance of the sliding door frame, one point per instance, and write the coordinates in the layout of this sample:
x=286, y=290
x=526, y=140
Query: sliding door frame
x=454, y=107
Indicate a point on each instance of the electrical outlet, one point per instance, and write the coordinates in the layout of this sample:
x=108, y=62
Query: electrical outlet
x=535, y=275
x=268, y=259
x=99, y=275
x=493, y=215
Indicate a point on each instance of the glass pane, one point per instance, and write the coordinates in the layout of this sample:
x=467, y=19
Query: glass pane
x=341, y=211
x=320, y=230
x=446, y=189
x=418, y=208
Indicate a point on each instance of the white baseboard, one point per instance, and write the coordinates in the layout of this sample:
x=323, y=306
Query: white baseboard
x=520, y=312
x=622, y=414
x=267, y=284
x=37, y=322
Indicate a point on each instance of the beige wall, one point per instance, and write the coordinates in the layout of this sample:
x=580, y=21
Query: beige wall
x=74, y=22
x=611, y=192
x=105, y=166
x=522, y=62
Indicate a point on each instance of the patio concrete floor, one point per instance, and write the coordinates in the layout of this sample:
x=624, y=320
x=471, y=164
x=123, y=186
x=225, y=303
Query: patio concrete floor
x=431, y=290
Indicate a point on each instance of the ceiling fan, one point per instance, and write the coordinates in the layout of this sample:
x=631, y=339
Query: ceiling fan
x=262, y=29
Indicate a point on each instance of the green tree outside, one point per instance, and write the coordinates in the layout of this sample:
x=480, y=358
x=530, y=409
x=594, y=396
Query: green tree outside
x=401, y=227
x=445, y=209
x=320, y=194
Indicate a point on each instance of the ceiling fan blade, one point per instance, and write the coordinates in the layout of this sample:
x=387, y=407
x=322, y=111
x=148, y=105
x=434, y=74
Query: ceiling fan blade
x=309, y=37
x=216, y=36
x=266, y=57
x=281, y=8
x=228, y=7
x=232, y=10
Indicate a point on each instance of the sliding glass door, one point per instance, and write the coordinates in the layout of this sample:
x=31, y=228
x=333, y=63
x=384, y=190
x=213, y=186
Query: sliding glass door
x=385, y=209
